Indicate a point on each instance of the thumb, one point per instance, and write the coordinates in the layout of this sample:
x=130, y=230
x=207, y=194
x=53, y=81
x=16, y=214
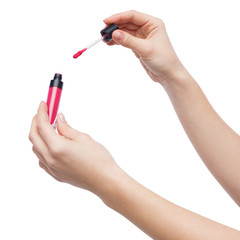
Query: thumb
x=127, y=40
x=64, y=129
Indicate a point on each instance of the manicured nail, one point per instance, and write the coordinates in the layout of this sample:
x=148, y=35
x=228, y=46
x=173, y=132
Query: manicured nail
x=118, y=35
x=62, y=118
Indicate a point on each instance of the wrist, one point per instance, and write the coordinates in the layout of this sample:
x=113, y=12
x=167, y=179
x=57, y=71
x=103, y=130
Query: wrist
x=107, y=183
x=177, y=80
x=113, y=186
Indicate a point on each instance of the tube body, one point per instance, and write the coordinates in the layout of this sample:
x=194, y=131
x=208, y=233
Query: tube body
x=54, y=96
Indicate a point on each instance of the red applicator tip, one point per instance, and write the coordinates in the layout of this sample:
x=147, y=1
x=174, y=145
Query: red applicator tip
x=79, y=53
x=106, y=36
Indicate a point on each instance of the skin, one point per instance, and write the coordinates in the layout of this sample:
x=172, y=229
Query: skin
x=75, y=158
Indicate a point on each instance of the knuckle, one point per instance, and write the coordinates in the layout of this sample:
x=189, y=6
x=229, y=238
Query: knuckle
x=51, y=163
x=57, y=149
x=34, y=118
x=41, y=125
x=40, y=128
x=128, y=41
x=148, y=50
x=31, y=132
x=40, y=164
x=57, y=178
x=30, y=137
x=33, y=149
x=161, y=23
x=132, y=11
x=84, y=137
x=133, y=14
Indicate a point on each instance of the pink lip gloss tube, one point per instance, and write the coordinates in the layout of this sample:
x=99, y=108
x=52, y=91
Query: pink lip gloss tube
x=53, y=99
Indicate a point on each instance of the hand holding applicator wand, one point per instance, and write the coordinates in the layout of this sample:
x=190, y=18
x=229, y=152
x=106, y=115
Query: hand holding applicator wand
x=106, y=36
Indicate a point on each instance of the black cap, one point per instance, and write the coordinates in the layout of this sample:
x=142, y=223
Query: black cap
x=56, y=82
x=58, y=76
x=108, y=32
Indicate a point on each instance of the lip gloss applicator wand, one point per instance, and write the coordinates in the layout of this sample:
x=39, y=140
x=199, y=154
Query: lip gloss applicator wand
x=106, y=36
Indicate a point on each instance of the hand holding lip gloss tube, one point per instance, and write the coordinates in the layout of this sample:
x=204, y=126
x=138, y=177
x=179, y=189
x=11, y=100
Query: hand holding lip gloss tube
x=54, y=96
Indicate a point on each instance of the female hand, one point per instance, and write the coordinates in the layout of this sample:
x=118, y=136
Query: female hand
x=70, y=156
x=147, y=37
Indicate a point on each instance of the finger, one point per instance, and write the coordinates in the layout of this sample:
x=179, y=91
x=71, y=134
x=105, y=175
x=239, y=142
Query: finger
x=36, y=139
x=130, y=26
x=45, y=129
x=132, y=16
x=127, y=40
x=48, y=171
x=39, y=156
x=111, y=43
x=65, y=129
x=136, y=54
x=132, y=32
x=43, y=163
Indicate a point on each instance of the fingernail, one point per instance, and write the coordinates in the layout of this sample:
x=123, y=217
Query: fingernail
x=62, y=118
x=118, y=35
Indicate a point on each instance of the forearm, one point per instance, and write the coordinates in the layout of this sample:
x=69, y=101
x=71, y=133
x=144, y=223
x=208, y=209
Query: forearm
x=216, y=143
x=157, y=217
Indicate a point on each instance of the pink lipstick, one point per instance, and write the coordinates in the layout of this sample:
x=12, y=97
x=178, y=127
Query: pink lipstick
x=54, y=96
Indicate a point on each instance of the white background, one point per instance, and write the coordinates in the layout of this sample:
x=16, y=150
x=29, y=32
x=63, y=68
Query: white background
x=109, y=96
